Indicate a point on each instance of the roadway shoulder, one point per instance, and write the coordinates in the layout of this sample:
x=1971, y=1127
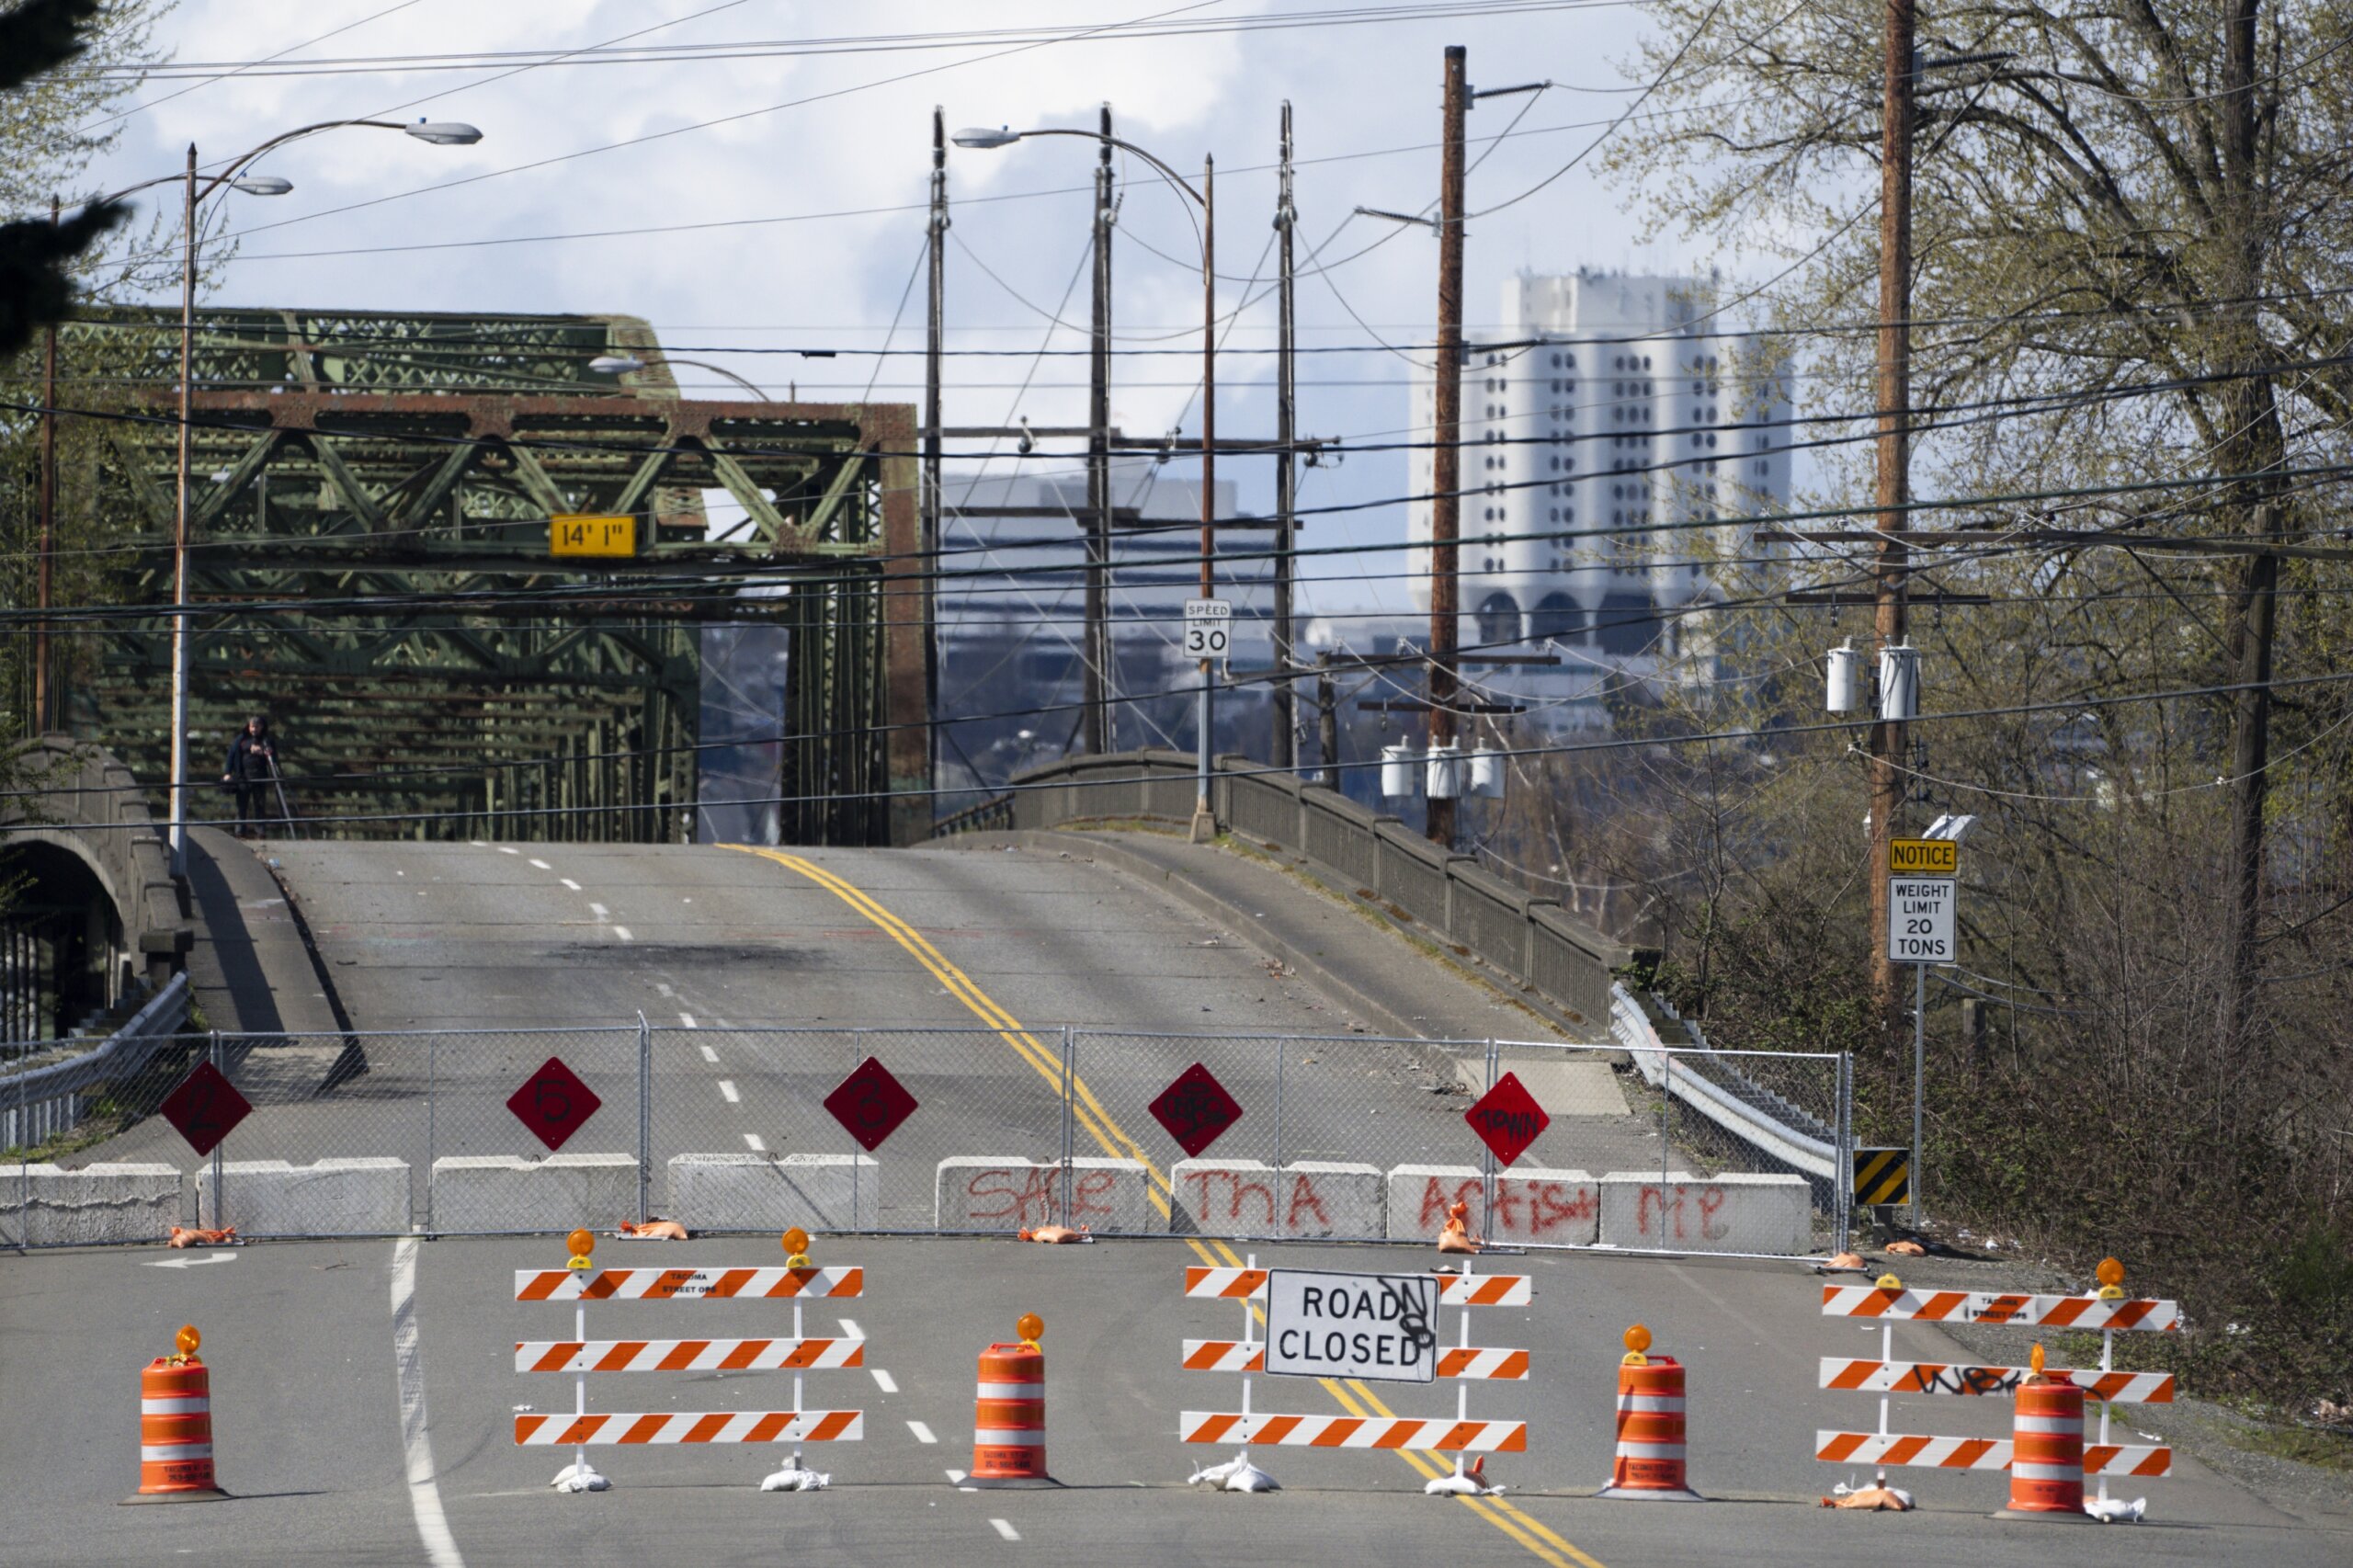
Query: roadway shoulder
x=251, y=968
x=1343, y=948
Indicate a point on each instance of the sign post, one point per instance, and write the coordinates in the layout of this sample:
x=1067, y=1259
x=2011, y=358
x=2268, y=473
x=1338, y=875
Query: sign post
x=1922, y=877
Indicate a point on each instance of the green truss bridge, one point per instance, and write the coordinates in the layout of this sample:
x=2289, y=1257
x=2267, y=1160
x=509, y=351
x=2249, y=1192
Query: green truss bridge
x=371, y=567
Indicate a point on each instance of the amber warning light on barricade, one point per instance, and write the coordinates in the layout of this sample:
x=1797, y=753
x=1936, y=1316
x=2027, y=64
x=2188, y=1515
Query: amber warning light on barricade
x=1031, y=1328
x=583, y=1244
x=1638, y=1340
x=2112, y=1279
x=189, y=1341
x=796, y=1248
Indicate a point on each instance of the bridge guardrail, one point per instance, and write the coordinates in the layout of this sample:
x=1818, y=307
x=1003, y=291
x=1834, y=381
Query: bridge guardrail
x=1342, y=1137
x=42, y=1101
x=1530, y=940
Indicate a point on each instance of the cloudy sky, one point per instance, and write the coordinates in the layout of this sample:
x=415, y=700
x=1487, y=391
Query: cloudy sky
x=771, y=198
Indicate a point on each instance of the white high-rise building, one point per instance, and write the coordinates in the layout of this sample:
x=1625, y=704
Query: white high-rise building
x=1623, y=414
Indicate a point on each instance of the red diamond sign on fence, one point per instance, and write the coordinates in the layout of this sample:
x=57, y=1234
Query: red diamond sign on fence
x=1196, y=1110
x=205, y=1107
x=870, y=1104
x=1507, y=1119
x=553, y=1103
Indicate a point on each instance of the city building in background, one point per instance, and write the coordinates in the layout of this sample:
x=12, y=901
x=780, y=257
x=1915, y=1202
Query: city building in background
x=1612, y=408
x=1012, y=606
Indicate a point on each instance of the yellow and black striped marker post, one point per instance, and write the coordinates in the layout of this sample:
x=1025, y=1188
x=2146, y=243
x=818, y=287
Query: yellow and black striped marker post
x=1882, y=1176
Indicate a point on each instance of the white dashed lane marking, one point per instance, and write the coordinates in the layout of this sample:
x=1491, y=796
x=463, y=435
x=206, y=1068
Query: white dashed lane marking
x=543, y=865
x=622, y=932
x=884, y=1381
x=752, y=1142
x=727, y=1092
x=851, y=1329
x=710, y=1055
x=567, y=882
x=922, y=1432
x=687, y=1020
x=598, y=910
x=1005, y=1529
x=503, y=850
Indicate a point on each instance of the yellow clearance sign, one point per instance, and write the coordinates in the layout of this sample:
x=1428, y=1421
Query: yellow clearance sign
x=1922, y=858
x=572, y=533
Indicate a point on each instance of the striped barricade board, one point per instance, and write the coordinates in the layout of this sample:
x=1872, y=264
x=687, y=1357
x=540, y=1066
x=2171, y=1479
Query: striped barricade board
x=1900, y=1305
x=685, y=1284
x=1244, y=1356
x=1202, y=1283
x=1937, y=1378
x=1355, y=1432
x=1977, y=1453
x=685, y=1355
x=595, y=1430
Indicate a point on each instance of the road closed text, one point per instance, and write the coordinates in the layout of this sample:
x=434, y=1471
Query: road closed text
x=1352, y=1326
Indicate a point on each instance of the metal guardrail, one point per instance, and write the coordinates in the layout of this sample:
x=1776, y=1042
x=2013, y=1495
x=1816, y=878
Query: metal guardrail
x=1714, y=1084
x=1529, y=940
x=44, y=1101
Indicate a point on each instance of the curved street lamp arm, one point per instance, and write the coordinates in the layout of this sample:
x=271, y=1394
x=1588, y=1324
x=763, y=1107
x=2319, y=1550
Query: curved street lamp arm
x=1170, y=175
x=208, y=184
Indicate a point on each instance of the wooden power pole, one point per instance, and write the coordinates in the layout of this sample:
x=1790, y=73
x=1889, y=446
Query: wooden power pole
x=1446, y=503
x=1096, y=664
x=1285, y=752
x=1894, y=453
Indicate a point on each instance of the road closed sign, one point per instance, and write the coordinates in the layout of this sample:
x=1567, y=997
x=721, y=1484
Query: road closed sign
x=1920, y=918
x=1382, y=1326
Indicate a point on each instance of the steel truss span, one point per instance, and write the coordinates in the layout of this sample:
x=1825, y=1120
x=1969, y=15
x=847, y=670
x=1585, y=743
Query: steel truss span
x=341, y=454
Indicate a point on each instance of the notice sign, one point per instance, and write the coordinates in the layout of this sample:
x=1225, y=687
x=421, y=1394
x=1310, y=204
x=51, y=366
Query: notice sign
x=1922, y=858
x=1920, y=913
x=1382, y=1326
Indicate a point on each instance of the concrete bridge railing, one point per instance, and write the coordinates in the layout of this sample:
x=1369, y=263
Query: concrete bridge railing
x=78, y=798
x=1528, y=938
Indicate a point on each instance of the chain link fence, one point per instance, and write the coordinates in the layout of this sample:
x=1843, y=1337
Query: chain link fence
x=1651, y=1147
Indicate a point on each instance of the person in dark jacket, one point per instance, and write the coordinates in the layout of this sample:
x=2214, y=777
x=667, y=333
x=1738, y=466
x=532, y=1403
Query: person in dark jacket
x=252, y=772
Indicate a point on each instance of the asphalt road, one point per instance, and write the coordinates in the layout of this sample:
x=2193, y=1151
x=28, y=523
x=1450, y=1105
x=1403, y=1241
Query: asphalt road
x=308, y=1414
x=354, y=1432
x=766, y=978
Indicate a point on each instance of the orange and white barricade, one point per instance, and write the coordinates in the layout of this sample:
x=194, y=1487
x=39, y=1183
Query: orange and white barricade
x=2107, y=1310
x=176, y=1427
x=581, y=1282
x=1463, y=1362
x=1649, y=1463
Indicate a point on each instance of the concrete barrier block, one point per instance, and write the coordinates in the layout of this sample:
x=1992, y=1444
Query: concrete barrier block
x=500, y=1192
x=1110, y=1198
x=332, y=1198
x=100, y=1203
x=774, y=1192
x=1548, y=1208
x=1304, y=1200
x=1740, y=1211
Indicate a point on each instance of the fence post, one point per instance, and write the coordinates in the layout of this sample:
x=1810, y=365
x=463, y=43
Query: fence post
x=644, y=1118
x=1069, y=1073
x=1842, y=1178
x=432, y=1093
x=1487, y=1160
x=1280, y=1054
x=218, y=1212
x=1666, y=1111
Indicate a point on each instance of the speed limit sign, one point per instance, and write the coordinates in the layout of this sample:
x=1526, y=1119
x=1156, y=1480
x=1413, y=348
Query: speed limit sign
x=1206, y=622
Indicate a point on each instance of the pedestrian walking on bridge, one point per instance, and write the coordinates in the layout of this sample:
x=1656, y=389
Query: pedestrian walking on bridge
x=252, y=772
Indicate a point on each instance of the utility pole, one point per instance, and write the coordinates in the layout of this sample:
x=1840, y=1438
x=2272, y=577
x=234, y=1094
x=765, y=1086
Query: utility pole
x=1327, y=719
x=1893, y=455
x=1204, y=825
x=44, y=574
x=1096, y=664
x=1446, y=504
x=936, y=312
x=1285, y=752
x=178, y=771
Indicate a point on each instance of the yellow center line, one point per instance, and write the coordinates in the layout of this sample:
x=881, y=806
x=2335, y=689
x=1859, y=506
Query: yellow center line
x=1114, y=1141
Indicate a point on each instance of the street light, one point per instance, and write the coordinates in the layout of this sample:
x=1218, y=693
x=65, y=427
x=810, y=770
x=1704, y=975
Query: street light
x=625, y=364
x=983, y=139
x=440, y=133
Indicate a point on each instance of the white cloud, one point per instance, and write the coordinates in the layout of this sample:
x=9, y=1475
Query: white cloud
x=836, y=282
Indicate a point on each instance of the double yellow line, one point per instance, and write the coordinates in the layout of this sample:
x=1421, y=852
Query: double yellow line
x=1356, y=1398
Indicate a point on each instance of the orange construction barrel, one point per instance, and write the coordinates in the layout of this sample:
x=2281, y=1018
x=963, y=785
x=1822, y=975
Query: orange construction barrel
x=1009, y=1418
x=175, y=1432
x=1649, y=1433
x=2047, y=1449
